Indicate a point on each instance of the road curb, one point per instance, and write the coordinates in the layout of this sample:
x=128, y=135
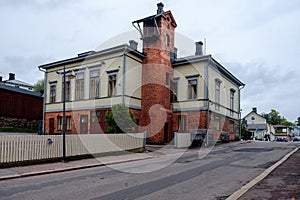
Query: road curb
x=69, y=169
x=237, y=194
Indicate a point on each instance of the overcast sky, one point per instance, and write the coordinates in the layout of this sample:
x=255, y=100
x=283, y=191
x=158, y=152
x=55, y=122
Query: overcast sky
x=257, y=40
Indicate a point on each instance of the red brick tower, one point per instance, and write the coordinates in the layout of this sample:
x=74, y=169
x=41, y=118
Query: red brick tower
x=157, y=73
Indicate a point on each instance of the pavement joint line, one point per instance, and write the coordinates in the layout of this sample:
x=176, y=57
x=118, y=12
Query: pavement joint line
x=51, y=171
x=237, y=194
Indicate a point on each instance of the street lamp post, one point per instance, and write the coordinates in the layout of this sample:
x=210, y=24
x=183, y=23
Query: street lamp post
x=64, y=125
x=64, y=118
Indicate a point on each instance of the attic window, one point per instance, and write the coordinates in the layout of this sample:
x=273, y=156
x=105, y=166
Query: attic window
x=252, y=117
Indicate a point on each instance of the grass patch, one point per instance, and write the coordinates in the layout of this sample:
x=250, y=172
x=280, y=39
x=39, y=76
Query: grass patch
x=17, y=130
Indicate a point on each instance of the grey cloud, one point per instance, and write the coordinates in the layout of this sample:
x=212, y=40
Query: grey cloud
x=24, y=68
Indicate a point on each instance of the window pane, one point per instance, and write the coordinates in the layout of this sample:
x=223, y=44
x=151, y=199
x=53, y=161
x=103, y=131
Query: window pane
x=69, y=123
x=181, y=123
x=217, y=95
x=217, y=123
x=79, y=93
x=231, y=102
x=68, y=90
x=59, y=123
x=192, y=89
x=94, y=84
x=52, y=93
x=112, y=85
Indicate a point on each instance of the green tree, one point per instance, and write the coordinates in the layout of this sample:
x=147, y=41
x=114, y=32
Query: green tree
x=120, y=120
x=273, y=117
x=298, y=122
x=286, y=123
x=37, y=87
x=244, y=132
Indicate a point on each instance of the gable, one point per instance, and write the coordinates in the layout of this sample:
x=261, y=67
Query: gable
x=169, y=14
x=254, y=118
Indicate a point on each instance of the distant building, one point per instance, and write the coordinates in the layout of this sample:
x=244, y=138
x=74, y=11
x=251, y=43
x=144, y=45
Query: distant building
x=12, y=81
x=193, y=93
x=19, y=107
x=258, y=126
x=295, y=130
x=282, y=131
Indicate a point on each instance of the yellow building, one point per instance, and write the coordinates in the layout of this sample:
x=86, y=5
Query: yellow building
x=165, y=93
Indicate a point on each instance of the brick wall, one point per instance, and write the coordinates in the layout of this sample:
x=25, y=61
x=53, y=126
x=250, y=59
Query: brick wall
x=93, y=128
x=156, y=83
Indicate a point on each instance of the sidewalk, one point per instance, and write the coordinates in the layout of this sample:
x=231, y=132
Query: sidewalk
x=282, y=183
x=39, y=169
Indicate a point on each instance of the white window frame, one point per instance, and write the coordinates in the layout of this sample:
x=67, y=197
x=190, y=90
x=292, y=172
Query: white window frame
x=80, y=96
x=217, y=93
x=97, y=85
x=195, y=94
x=115, y=91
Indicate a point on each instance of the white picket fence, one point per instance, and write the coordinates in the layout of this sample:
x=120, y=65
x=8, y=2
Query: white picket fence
x=36, y=147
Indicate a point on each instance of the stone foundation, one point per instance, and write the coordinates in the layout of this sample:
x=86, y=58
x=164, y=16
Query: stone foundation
x=6, y=122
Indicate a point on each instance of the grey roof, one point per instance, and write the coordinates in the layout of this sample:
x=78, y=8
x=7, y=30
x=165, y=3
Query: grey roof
x=92, y=54
x=296, y=127
x=19, y=90
x=17, y=82
x=255, y=126
x=152, y=17
x=198, y=58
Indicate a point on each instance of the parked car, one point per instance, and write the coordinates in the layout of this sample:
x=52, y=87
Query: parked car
x=281, y=139
x=295, y=138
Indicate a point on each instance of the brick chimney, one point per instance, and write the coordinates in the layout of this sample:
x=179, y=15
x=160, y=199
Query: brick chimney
x=160, y=8
x=133, y=44
x=199, y=48
x=254, y=110
x=11, y=76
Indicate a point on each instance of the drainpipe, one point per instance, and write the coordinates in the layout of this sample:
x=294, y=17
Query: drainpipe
x=123, y=75
x=206, y=93
x=44, y=99
x=240, y=114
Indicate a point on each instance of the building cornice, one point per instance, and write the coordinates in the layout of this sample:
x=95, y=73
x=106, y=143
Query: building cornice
x=94, y=54
x=212, y=62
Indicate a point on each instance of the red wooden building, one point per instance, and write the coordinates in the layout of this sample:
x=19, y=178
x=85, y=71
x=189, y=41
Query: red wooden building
x=19, y=107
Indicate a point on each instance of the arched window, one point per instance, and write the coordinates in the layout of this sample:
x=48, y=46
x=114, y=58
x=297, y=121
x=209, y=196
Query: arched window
x=167, y=40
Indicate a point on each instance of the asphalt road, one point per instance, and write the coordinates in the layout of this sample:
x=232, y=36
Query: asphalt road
x=195, y=175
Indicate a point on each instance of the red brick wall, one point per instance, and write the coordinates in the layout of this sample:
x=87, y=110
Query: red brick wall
x=75, y=121
x=93, y=128
x=224, y=126
x=154, y=89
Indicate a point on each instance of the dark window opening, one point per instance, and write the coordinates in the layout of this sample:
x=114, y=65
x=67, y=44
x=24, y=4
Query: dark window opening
x=95, y=116
x=173, y=91
x=79, y=93
x=59, y=123
x=192, y=89
x=181, y=123
x=94, y=84
x=69, y=123
x=52, y=93
x=112, y=80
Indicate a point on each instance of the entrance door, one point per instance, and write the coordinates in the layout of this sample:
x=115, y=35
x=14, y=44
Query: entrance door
x=83, y=124
x=51, y=126
x=166, y=128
